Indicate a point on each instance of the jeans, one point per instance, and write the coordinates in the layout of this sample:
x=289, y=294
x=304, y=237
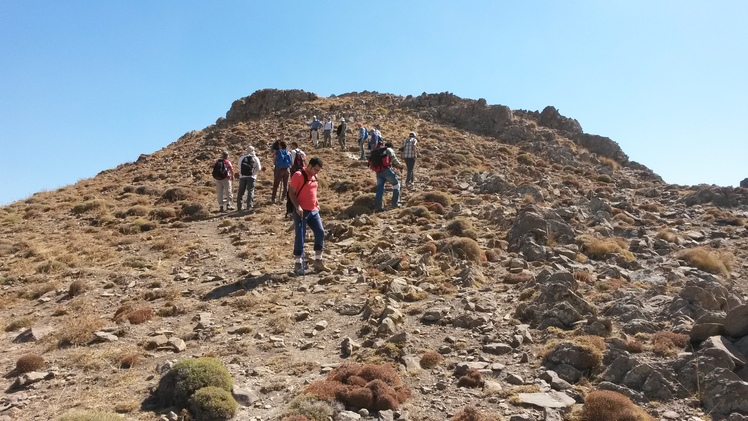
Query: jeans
x=313, y=221
x=387, y=176
x=410, y=163
x=281, y=175
x=361, y=146
x=248, y=184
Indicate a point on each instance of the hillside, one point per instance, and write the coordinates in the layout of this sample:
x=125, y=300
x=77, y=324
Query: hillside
x=531, y=256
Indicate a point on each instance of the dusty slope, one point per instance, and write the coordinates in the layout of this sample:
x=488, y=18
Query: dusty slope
x=147, y=234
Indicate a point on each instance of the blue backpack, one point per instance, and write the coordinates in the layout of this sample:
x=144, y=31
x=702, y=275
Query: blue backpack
x=283, y=159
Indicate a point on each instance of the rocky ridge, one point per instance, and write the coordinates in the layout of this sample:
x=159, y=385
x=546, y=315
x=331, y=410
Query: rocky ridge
x=529, y=251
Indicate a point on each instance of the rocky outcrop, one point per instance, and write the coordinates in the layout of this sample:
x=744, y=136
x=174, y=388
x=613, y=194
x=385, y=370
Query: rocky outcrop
x=744, y=183
x=473, y=115
x=727, y=197
x=264, y=102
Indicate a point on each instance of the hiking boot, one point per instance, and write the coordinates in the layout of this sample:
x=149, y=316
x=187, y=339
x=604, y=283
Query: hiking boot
x=319, y=266
x=298, y=269
x=220, y=209
x=238, y=206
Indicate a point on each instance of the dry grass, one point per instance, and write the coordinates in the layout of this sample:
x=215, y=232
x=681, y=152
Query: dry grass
x=78, y=329
x=718, y=262
x=608, y=405
x=473, y=378
x=667, y=234
x=462, y=248
x=462, y=228
x=430, y=359
x=668, y=344
x=600, y=248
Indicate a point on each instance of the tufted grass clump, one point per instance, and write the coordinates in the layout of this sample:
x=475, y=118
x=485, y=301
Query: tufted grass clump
x=373, y=386
x=88, y=206
x=668, y=344
x=718, y=262
x=213, y=403
x=442, y=198
x=587, y=352
x=29, y=362
x=188, y=376
x=306, y=407
x=473, y=378
x=462, y=248
x=610, y=405
x=430, y=359
x=471, y=413
x=601, y=247
x=462, y=228
x=77, y=287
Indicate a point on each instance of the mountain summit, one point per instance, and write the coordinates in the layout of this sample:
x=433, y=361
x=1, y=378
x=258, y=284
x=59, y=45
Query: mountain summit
x=532, y=271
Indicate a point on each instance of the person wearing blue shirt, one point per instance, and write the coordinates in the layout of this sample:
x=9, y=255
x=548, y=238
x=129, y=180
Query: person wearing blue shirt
x=314, y=131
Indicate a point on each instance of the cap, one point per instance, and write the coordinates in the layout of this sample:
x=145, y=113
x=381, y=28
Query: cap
x=412, y=134
x=251, y=150
x=342, y=119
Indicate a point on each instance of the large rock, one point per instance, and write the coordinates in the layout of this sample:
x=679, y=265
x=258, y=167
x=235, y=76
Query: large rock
x=537, y=227
x=736, y=322
x=724, y=393
x=744, y=183
x=264, y=102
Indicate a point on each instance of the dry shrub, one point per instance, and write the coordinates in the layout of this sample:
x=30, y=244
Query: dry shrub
x=622, y=217
x=604, y=178
x=280, y=323
x=473, y=378
x=429, y=248
x=193, y=212
x=463, y=248
x=129, y=360
x=470, y=413
x=588, y=351
x=608, y=162
x=435, y=207
x=175, y=195
x=307, y=407
x=610, y=405
x=651, y=207
x=78, y=329
x=89, y=205
x=719, y=262
x=462, y=228
x=29, y=362
x=667, y=234
x=668, y=343
x=582, y=276
x=442, y=198
x=162, y=213
x=354, y=211
x=430, y=359
x=384, y=388
x=140, y=315
x=600, y=248
x=77, y=287
x=138, y=210
x=634, y=346
x=21, y=322
x=416, y=212
x=365, y=200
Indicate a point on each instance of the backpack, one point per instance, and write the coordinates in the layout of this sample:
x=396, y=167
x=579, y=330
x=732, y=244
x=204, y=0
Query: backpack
x=220, y=171
x=283, y=159
x=379, y=160
x=366, y=133
x=298, y=162
x=247, y=165
x=339, y=129
x=289, y=204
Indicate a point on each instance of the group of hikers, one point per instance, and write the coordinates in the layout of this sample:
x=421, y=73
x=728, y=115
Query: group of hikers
x=299, y=179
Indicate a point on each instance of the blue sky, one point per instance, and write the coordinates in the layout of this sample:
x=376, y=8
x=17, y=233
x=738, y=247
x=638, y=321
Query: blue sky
x=88, y=85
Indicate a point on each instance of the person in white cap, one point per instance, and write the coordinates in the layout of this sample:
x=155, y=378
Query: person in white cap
x=327, y=133
x=341, y=133
x=249, y=166
x=315, y=125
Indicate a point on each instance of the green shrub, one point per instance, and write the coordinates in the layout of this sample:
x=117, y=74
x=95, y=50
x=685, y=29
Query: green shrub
x=213, y=404
x=188, y=376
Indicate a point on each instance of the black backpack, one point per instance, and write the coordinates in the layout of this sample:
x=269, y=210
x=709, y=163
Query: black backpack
x=379, y=160
x=289, y=204
x=220, y=171
x=298, y=162
x=247, y=165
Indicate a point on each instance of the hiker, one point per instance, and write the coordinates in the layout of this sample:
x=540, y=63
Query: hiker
x=249, y=166
x=342, y=127
x=363, y=136
x=409, y=155
x=223, y=173
x=314, y=131
x=298, y=157
x=380, y=161
x=327, y=133
x=282, y=164
x=302, y=193
x=375, y=138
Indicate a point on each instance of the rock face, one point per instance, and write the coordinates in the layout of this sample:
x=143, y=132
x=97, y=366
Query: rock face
x=744, y=183
x=262, y=103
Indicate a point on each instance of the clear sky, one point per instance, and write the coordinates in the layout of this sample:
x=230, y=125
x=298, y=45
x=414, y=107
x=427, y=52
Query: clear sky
x=87, y=85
